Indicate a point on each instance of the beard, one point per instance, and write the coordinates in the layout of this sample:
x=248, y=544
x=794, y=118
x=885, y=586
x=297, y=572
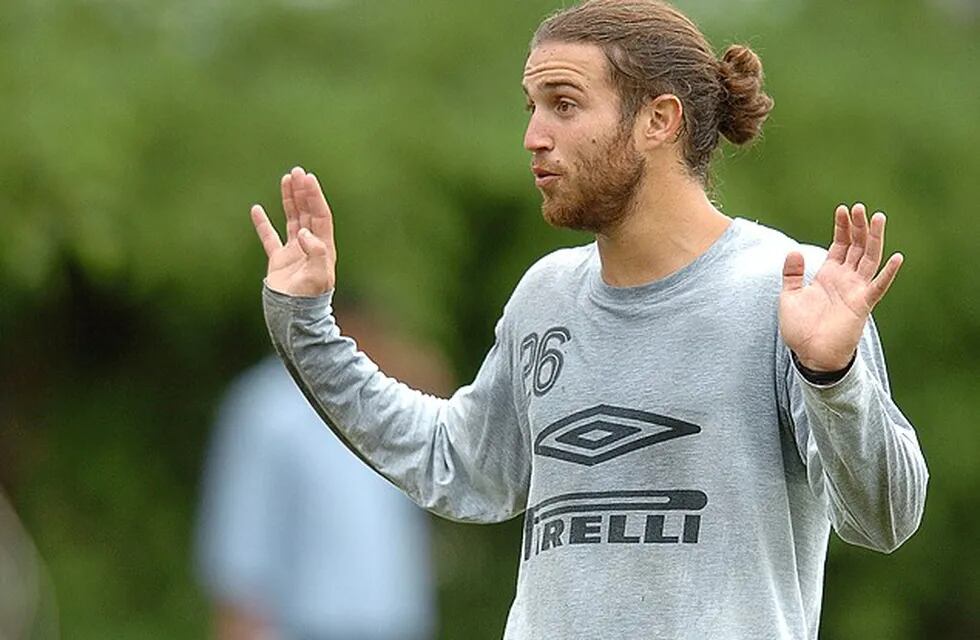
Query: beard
x=598, y=194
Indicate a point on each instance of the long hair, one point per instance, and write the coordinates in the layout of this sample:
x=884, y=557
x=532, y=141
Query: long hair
x=654, y=49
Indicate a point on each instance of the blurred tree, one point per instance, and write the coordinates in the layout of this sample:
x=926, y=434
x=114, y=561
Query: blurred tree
x=136, y=135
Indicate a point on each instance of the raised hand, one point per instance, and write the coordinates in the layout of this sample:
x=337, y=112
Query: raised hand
x=822, y=322
x=306, y=264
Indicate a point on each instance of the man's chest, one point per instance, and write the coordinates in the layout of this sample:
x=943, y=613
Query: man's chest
x=635, y=378
x=645, y=432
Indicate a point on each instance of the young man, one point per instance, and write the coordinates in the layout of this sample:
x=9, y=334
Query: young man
x=697, y=402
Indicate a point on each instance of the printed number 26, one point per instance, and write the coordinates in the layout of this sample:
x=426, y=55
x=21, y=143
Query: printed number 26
x=542, y=360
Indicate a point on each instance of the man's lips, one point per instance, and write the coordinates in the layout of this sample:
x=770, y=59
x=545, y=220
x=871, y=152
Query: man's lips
x=543, y=176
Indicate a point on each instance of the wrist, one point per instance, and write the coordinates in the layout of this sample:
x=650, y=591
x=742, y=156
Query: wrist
x=824, y=364
x=819, y=374
x=291, y=294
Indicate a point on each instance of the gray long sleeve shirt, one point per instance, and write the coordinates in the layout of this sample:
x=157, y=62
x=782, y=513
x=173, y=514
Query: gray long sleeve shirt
x=678, y=476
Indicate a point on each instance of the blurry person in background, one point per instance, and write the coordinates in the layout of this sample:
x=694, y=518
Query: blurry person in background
x=298, y=539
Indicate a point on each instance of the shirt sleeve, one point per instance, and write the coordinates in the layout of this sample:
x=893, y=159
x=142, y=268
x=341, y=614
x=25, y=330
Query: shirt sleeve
x=465, y=458
x=861, y=453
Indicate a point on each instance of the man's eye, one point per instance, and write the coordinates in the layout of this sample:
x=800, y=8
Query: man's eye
x=564, y=106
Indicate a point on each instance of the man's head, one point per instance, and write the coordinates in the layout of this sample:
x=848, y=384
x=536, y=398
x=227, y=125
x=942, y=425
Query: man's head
x=622, y=91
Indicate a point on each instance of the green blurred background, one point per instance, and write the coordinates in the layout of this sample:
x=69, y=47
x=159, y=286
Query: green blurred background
x=135, y=135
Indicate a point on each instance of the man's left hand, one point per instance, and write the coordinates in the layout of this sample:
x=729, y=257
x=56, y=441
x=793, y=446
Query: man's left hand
x=822, y=322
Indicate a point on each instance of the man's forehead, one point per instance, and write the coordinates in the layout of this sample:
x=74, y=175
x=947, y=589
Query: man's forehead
x=568, y=62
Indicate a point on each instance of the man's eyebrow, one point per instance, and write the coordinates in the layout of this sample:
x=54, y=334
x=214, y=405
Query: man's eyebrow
x=554, y=85
x=562, y=84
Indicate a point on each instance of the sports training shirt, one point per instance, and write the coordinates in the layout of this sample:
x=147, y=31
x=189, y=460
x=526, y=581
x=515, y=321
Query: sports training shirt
x=677, y=475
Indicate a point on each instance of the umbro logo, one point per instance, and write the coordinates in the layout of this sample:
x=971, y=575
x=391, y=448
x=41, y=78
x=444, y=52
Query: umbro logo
x=603, y=432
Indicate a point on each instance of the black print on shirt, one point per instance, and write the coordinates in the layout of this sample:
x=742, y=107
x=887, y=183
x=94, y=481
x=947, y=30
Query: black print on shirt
x=603, y=432
x=542, y=359
x=648, y=517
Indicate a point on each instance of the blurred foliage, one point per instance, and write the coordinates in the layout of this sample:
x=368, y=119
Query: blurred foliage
x=135, y=135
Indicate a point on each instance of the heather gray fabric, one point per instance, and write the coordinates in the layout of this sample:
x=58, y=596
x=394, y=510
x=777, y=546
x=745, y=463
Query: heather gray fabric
x=678, y=477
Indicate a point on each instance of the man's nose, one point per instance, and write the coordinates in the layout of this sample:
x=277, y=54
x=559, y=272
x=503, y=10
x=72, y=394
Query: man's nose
x=536, y=137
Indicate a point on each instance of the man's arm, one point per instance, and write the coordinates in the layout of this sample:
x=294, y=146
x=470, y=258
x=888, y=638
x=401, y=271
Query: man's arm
x=861, y=453
x=465, y=458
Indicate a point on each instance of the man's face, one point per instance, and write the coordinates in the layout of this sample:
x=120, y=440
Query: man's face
x=584, y=161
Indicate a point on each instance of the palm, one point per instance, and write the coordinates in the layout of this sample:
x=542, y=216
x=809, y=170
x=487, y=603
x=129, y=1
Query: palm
x=822, y=322
x=287, y=267
x=305, y=265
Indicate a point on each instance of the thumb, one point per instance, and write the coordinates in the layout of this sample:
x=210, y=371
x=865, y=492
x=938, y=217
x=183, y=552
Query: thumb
x=313, y=247
x=793, y=271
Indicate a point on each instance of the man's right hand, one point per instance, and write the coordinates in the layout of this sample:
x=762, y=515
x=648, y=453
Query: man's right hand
x=306, y=264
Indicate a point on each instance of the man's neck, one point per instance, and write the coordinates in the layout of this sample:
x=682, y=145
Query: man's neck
x=672, y=223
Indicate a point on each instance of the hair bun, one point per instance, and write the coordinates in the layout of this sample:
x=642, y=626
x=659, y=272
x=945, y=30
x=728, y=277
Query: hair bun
x=746, y=105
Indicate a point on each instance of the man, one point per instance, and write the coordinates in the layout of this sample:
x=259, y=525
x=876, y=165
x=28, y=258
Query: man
x=699, y=399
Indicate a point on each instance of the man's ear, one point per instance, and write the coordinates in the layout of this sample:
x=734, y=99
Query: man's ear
x=659, y=122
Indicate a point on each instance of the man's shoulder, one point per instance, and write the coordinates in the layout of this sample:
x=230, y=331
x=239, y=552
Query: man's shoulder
x=558, y=274
x=562, y=261
x=556, y=270
x=763, y=249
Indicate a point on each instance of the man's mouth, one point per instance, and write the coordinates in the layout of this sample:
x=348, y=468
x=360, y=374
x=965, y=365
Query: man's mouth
x=543, y=176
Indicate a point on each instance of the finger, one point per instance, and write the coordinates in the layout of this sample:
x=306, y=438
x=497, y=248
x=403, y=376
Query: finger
x=793, y=269
x=321, y=222
x=868, y=265
x=289, y=206
x=879, y=286
x=842, y=235
x=859, y=235
x=267, y=233
x=301, y=196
